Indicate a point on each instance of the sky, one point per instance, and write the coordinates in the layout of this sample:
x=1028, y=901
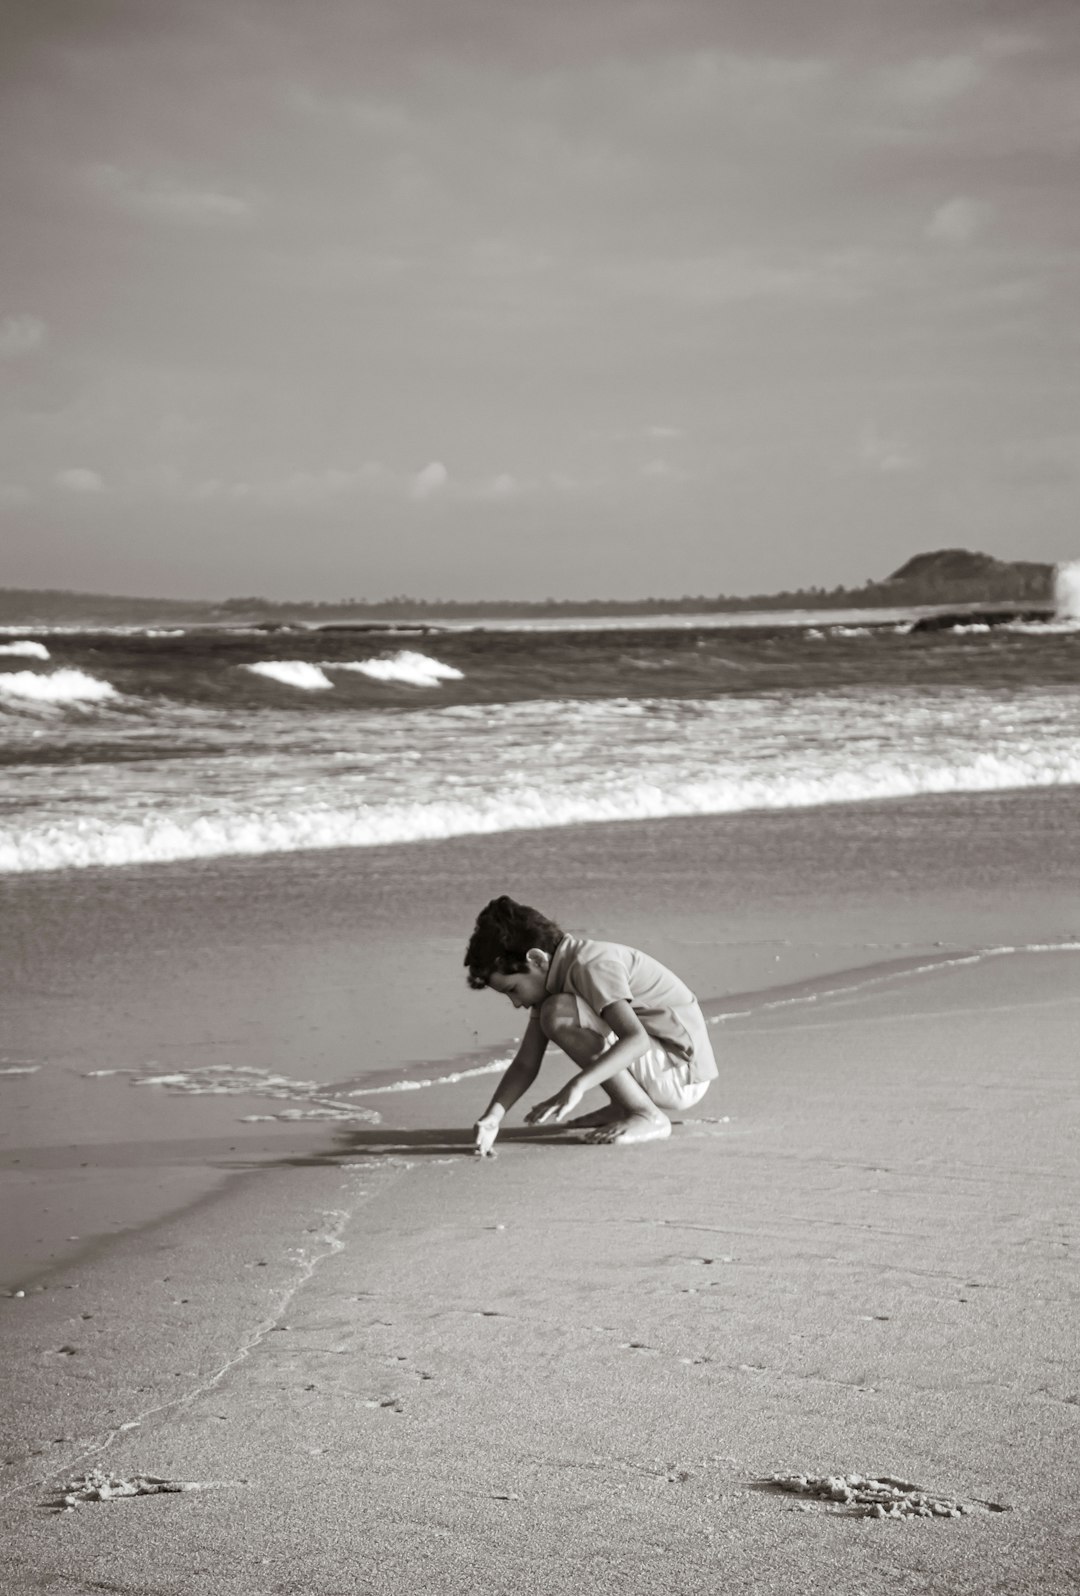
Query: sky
x=488, y=298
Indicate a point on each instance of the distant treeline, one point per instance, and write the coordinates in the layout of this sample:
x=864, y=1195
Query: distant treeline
x=26, y=606
x=945, y=576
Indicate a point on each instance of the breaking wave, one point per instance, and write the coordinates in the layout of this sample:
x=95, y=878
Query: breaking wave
x=150, y=837
x=1067, y=591
x=292, y=672
x=26, y=649
x=54, y=687
x=419, y=670
x=1055, y=626
x=415, y=670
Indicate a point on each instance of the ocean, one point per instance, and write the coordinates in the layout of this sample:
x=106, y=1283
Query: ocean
x=133, y=745
x=862, y=804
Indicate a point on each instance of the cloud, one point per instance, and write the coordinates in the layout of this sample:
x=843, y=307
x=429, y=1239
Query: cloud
x=663, y=432
x=366, y=113
x=170, y=201
x=1012, y=291
x=77, y=479
x=1009, y=43
x=736, y=276
x=661, y=470
x=300, y=490
x=19, y=334
x=14, y=493
x=1052, y=459
x=749, y=87
x=878, y=453
x=504, y=486
x=958, y=221
x=431, y=480
x=931, y=80
x=497, y=257
x=325, y=489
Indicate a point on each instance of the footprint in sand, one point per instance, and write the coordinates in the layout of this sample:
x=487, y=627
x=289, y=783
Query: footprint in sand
x=706, y=1263
x=401, y=1357
x=880, y=1496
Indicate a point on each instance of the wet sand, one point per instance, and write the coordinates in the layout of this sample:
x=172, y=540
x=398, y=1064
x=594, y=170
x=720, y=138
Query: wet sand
x=569, y=1364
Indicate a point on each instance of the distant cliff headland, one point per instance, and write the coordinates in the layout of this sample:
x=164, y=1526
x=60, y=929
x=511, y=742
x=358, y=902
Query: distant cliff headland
x=944, y=576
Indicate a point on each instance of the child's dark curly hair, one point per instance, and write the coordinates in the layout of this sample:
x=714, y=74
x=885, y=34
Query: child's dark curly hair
x=504, y=933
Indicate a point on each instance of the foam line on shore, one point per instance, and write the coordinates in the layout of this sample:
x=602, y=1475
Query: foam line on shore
x=808, y=992
x=331, y=1101
x=320, y=1102
x=837, y=1022
x=411, y=1084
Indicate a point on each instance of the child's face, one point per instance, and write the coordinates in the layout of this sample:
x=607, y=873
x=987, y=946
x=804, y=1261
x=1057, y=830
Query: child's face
x=524, y=988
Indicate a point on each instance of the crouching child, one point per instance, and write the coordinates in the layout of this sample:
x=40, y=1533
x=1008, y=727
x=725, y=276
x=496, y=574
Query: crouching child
x=628, y=1023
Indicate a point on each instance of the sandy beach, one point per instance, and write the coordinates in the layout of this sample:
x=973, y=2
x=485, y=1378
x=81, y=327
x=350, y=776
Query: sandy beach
x=380, y=1364
x=619, y=457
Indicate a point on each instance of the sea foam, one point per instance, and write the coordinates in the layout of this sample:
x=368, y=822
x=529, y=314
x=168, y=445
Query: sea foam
x=406, y=666
x=292, y=672
x=418, y=670
x=1067, y=591
x=26, y=649
x=54, y=687
x=90, y=840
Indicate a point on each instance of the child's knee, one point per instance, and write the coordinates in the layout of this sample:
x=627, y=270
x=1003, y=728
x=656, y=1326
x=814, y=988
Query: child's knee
x=558, y=1013
x=564, y=1011
x=570, y=1023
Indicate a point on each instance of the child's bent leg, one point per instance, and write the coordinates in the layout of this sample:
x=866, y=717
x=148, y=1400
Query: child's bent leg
x=666, y=1090
x=631, y=1114
x=667, y=1084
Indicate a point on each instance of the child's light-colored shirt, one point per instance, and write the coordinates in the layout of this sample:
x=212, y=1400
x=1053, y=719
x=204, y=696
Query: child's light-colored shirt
x=609, y=972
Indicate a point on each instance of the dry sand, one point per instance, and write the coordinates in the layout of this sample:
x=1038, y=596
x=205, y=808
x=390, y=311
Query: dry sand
x=382, y=1365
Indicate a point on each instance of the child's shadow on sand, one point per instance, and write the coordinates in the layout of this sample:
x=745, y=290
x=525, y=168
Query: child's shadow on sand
x=455, y=1142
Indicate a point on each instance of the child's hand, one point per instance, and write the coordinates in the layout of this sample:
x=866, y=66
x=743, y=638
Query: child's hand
x=557, y=1108
x=486, y=1130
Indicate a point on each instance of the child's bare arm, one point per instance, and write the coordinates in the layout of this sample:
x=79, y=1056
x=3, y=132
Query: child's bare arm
x=517, y=1080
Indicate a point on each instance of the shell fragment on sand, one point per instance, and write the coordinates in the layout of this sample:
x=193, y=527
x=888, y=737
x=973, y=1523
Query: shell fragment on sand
x=873, y=1496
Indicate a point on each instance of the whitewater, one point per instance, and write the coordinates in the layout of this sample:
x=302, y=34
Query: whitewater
x=119, y=751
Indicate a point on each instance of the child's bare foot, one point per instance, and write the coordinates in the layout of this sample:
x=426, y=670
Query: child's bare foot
x=600, y=1116
x=634, y=1128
